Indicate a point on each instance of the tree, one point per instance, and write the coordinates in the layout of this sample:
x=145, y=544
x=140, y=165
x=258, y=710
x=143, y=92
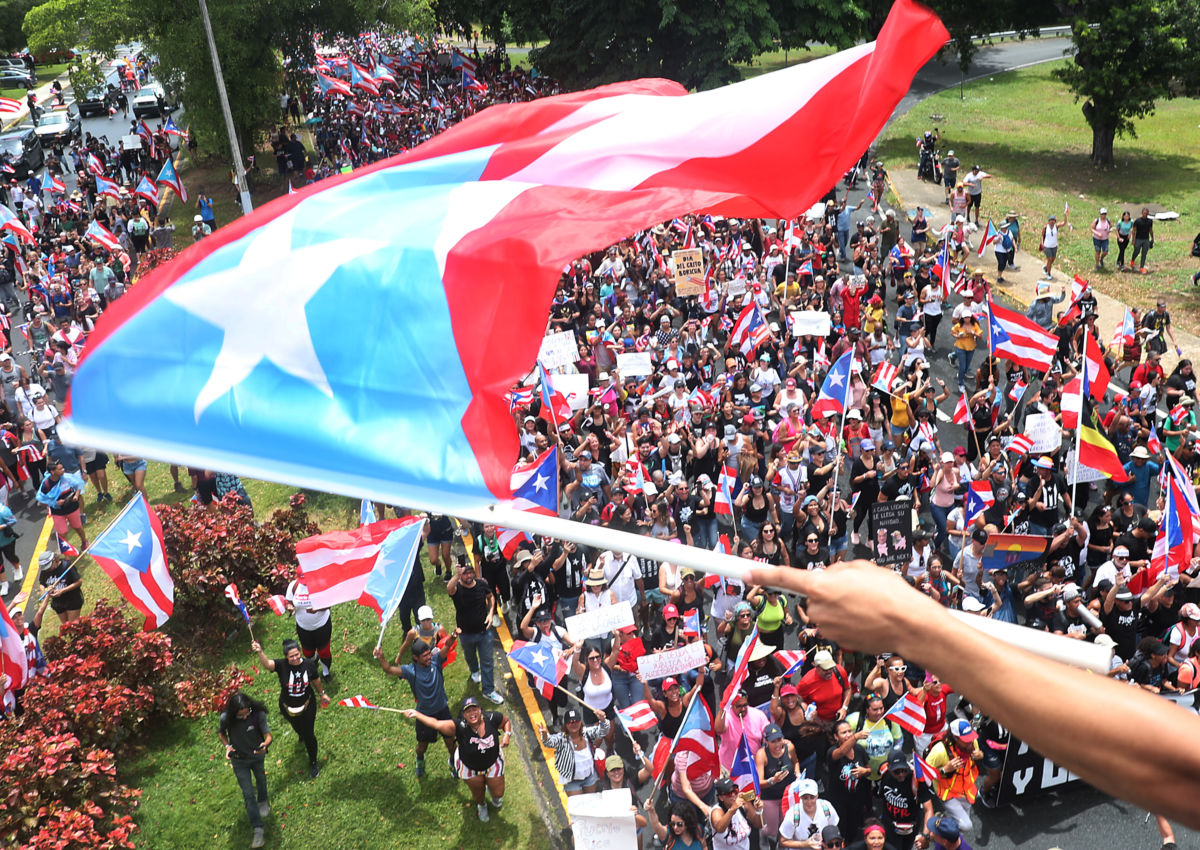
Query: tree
x=87, y=74
x=1128, y=56
x=12, y=13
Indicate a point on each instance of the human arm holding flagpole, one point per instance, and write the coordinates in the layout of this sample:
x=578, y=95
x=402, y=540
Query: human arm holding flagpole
x=1110, y=749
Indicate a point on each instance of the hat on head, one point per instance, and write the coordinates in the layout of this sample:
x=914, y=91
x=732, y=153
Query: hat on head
x=571, y=716
x=824, y=660
x=962, y=730
x=854, y=413
x=830, y=833
x=807, y=787
x=972, y=605
x=595, y=577
x=867, y=446
x=669, y=611
x=960, y=451
x=1140, y=452
x=1105, y=640
x=542, y=614
x=468, y=702
x=45, y=559
x=424, y=613
x=1124, y=595
x=789, y=691
x=947, y=457
x=772, y=733
x=944, y=826
x=522, y=557
x=761, y=650
x=1121, y=552
x=724, y=785
x=898, y=761
x=687, y=572
x=198, y=218
x=614, y=762
x=980, y=535
x=730, y=432
x=1070, y=593
x=1053, y=217
x=1044, y=462
x=1104, y=211
x=1190, y=611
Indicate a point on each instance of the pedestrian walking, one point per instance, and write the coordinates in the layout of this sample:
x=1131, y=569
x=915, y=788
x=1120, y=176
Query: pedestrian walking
x=298, y=680
x=424, y=676
x=244, y=731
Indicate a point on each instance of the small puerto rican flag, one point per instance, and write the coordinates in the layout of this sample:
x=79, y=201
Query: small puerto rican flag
x=908, y=714
x=277, y=604
x=65, y=548
x=638, y=717
x=357, y=701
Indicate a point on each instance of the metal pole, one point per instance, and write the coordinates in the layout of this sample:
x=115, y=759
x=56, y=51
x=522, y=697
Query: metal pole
x=238, y=170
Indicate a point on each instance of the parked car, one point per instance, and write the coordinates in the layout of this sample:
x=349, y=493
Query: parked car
x=12, y=77
x=22, y=149
x=59, y=125
x=150, y=99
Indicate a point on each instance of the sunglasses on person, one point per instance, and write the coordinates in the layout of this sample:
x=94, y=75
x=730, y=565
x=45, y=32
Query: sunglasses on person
x=812, y=540
x=768, y=531
x=837, y=842
x=678, y=824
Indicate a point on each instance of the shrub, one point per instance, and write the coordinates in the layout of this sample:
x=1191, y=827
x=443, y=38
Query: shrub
x=209, y=549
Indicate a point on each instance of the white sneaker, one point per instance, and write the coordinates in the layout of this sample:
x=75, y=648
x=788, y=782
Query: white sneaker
x=495, y=697
x=19, y=574
x=482, y=811
x=498, y=802
x=476, y=677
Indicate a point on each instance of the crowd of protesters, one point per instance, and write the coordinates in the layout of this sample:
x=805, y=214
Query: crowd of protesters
x=717, y=445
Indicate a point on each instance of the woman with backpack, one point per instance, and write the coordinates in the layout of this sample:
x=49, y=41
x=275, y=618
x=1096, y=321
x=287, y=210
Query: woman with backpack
x=538, y=626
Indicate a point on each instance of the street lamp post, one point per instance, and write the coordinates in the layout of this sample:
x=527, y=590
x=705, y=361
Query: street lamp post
x=238, y=169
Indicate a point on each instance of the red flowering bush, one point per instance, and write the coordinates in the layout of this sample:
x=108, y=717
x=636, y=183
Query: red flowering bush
x=206, y=691
x=59, y=793
x=150, y=260
x=209, y=549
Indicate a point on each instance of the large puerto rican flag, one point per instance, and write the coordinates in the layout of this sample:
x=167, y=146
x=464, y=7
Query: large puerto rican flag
x=1016, y=338
x=299, y=382
x=334, y=566
x=131, y=552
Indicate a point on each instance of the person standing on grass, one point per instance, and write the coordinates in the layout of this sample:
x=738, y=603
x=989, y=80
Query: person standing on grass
x=1143, y=240
x=297, y=702
x=474, y=604
x=314, y=627
x=1101, y=228
x=425, y=678
x=1049, y=246
x=244, y=731
x=479, y=756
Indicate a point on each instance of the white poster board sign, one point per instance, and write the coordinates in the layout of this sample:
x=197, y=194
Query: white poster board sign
x=603, y=821
x=1044, y=431
x=574, y=389
x=810, y=323
x=737, y=286
x=1085, y=474
x=635, y=364
x=671, y=663
x=601, y=621
x=558, y=350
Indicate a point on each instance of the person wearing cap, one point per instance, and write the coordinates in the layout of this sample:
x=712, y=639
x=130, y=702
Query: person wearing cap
x=966, y=333
x=1183, y=635
x=1149, y=670
x=826, y=686
x=61, y=582
x=616, y=776
x=806, y=816
x=1142, y=470
x=954, y=760
x=944, y=832
x=733, y=818
x=864, y=480
x=35, y=660
x=478, y=759
x=1121, y=616
x=200, y=229
x=1101, y=228
x=741, y=718
x=1048, y=495
x=777, y=768
x=314, y=626
x=474, y=605
x=574, y=750
x=1049, y=244
x=906, y=804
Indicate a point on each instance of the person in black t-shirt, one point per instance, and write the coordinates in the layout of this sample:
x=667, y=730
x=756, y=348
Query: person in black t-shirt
x=244, y=731
x=298, y=677
x=906, y=804
x=568, y=568
x=479, y=756
x=1047, y=495
x=474, y=605
x=1121, y=616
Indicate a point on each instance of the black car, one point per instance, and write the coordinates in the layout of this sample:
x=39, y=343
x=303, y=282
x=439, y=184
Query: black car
x=94, y=101
x=59, y=125
x=21, y=148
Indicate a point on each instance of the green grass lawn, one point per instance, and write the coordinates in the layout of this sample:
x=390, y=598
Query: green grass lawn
x=1025, y=128
x=776, y=59
x=45, y=73
x=367, y=795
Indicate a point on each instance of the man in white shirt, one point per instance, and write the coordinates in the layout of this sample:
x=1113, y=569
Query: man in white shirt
x=624, y=575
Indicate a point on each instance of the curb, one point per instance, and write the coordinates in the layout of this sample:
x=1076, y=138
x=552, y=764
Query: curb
x=554, y=816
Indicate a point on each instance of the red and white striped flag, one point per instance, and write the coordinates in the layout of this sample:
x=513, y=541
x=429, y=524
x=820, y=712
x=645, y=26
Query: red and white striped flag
x=884, y=375
x=1021, y=444
x=277, y=604
x=908, y=714
x=357, y=701
x=8, y=106
x=726, y=481
x=335, y=566
x=638, y=717
x=962, y=413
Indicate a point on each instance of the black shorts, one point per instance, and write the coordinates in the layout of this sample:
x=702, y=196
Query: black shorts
x=317, y=638
x=441, y=530
x=974, y=200
x=427, y=735
x=99, y=462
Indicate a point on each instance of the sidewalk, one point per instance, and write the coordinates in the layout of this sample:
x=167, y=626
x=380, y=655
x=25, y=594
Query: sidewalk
x=1020, y=286
x=43, y=93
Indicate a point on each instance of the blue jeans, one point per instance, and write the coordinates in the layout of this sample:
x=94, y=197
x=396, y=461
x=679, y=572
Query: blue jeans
x=250, y=772
x=843, y=237
x=627, y=688
x=477, y=649
x=750, y=530
x=704, y=532
x=939, y=520
x=964, y=365
x=568, y=605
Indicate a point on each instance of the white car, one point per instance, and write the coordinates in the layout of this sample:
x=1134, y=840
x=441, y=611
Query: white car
x=150, y=99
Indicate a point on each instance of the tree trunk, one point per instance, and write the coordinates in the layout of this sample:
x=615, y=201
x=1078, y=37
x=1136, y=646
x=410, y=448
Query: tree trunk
x=1103, y=133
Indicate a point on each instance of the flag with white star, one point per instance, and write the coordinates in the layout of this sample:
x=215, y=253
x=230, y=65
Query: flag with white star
x=132, y=554
x=535, y=484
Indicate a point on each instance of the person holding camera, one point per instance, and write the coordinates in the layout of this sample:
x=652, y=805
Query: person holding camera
x=246, y=735
x=297, y=702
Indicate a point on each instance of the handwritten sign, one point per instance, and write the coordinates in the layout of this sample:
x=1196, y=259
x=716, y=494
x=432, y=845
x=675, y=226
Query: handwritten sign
x=574, y=389
x=737, y=286
x=688, y=265
x=601, y=621
x=810, y=323
x=558, y=350
x=603, y=821
x=671, y=663
x=1082, y=473
x=635, y=364
x=1044, y=431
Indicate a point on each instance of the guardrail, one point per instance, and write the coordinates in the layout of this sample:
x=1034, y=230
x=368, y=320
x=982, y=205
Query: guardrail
x=1051, y=32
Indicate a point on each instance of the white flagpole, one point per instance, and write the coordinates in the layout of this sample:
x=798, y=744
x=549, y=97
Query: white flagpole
x=1079, y=421
x=1047, y=645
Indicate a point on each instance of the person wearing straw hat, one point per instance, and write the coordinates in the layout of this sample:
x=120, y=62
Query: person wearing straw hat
x=1041, y=309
